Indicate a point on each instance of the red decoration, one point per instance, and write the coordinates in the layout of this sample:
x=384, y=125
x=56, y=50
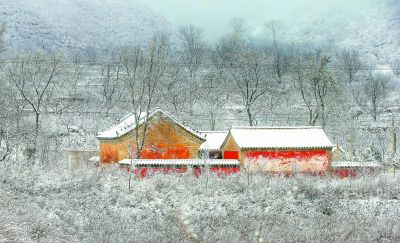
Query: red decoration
x=231, y=155
x=344, y=173
x=161, y=151
x=289, y=154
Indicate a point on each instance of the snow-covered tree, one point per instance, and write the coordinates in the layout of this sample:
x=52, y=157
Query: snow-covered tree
x=34, y=76
x=315, y=84
x=373, y=93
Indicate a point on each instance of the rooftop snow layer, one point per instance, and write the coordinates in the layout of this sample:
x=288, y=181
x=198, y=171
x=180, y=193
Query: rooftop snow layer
x=126, y=125
x=214, y=139
x=129, y=123
x=140, y=162
x=355, y=164
x=280, y=137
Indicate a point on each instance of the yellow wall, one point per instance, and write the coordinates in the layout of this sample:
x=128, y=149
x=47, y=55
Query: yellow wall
x=161, y=133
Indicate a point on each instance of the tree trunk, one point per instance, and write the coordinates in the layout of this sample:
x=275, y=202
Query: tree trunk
x=250, y=116
x=212, y=122
x=37, y=115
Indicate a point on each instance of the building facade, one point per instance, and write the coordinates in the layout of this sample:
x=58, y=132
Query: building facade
x=172, y=146
x=166, y=138
x=279, y=149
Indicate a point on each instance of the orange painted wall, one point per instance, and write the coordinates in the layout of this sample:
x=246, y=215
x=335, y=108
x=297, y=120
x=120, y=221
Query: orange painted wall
x=164, y=140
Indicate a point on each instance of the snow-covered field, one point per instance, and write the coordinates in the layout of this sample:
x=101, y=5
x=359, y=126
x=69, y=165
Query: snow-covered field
x=92, y=205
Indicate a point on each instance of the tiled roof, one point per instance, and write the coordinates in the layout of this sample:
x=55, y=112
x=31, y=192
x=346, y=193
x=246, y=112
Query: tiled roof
x=141, y=162
x=129, y=123
x=214, y=139
x=347, y=164
x=280, y=137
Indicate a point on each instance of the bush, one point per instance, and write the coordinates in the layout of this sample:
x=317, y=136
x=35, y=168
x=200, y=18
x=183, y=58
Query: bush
x=89, y=205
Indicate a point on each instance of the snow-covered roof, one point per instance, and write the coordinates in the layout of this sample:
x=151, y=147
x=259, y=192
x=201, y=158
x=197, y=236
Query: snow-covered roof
x=142, y=162
x=280, y=137
x=355, y=164
x=214, y=139
x=128, y=123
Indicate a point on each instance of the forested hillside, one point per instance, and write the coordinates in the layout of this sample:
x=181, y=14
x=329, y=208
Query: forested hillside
x=76, y=24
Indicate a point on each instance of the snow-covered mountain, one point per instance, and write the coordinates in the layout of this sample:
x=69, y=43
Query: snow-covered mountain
x=76, y=23
x=373, y=29
x=372, y=26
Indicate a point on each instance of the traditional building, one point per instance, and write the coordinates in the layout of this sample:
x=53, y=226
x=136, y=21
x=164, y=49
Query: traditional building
x=166, y=138
x=339, y=154
x=211, y=148
x=279, y=149
x=170, y=145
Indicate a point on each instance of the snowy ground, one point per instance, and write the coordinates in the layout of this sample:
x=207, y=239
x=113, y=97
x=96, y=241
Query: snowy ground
x=89, y=205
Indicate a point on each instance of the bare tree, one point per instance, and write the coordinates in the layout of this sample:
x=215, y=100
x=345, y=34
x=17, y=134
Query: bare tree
x=144, y=69
x=2, y=31
x=281, y=54
x=350, y=64
x=5, y=148
x=226, y=51
x=92, y=55
x=315, y=84
x=373, y=94
x=76, y=74
x=34, y=76
x=213, y=96
x=245, y=65
x=193, y=48
x=112, y=88
x=395, y=65
x=174, y=89
x=248, y=74
x=192, y=55
x=238, y=28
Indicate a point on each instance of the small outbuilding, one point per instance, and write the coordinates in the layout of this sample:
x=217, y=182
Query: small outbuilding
x=339, y=154
x=344, y=169
x=279, y=149
x=211, y=148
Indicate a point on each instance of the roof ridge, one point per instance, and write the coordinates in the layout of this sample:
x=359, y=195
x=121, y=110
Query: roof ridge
x=213, y=131
x=276, y=127
x=142, y=118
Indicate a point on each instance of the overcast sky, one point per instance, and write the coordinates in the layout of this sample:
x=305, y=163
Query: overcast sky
x=214, y=15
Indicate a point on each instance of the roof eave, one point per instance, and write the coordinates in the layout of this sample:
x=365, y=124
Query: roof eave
x=286, y=148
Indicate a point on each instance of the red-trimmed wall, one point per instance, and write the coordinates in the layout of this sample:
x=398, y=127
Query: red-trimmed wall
x=309, y=161
x=219, y=170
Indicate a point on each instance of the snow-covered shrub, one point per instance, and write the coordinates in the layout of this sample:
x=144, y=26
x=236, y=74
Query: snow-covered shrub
x=90, y=205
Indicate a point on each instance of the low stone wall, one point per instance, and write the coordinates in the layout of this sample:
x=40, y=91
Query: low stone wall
x=77, y=158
